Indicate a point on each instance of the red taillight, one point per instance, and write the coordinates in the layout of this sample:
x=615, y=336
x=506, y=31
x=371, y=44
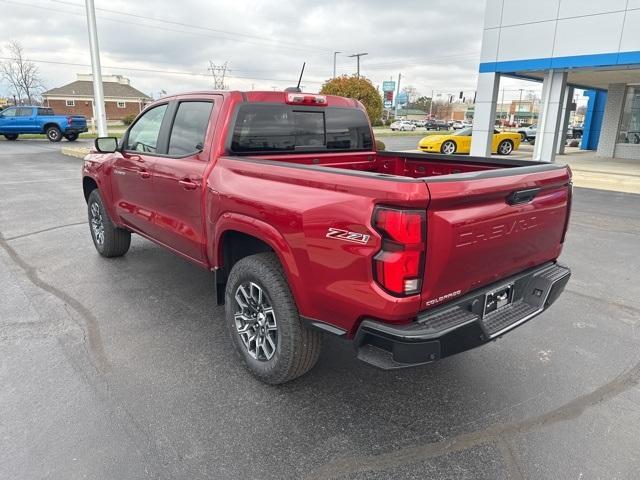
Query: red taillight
x=398, y=266
x=306, y=99
x=69, y=120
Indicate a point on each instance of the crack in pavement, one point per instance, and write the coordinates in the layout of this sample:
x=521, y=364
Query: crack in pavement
x=495, y=433
x=89, y=324
x=510, y=459
x=44, y=230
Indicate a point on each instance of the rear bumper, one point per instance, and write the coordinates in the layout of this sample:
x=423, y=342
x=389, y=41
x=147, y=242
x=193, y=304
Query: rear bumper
x=460, y=325
x=79, y=129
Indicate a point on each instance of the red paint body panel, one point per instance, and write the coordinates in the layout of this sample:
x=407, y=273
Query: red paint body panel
x=289, y=201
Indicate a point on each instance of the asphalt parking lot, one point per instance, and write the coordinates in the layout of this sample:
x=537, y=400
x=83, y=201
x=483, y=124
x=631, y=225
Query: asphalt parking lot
x=122, y=369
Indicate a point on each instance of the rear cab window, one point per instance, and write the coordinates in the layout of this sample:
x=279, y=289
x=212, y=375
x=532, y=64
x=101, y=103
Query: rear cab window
x=277, y=128
x=45, y=112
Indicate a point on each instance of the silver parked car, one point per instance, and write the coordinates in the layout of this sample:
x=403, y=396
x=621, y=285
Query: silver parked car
x=402, y=125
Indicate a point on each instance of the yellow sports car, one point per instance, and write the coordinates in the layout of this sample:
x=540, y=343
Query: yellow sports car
x=460, y=142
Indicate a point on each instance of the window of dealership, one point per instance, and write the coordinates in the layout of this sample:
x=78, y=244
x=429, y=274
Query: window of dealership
x=629, y=131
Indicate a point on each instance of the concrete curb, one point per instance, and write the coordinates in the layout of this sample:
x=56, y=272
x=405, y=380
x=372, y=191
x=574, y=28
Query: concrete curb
x=78, y=152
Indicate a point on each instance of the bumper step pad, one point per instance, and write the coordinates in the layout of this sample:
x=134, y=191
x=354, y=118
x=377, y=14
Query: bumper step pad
x=504, y=318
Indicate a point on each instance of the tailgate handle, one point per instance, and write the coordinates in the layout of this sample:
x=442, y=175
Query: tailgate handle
x=522, y=196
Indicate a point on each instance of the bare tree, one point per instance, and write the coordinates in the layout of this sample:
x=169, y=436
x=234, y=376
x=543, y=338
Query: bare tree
x=20, y=73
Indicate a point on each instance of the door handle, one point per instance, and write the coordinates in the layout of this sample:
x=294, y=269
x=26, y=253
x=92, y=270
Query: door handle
x=522, y=196
x=144, y=174
x=188, y=184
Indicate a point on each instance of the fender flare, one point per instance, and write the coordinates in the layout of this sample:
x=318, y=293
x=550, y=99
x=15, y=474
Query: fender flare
x=104, y=186
x=264, y=232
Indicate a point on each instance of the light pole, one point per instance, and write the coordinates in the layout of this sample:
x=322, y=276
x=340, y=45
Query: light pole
x=98, y=94
x=335, y=54
x=358, y=55
x=431, y=104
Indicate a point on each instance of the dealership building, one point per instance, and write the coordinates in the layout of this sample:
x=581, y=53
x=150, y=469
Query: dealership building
x=565, y=44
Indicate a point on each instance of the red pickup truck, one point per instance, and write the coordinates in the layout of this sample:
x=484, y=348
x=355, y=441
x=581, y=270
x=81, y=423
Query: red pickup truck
x=309, y=230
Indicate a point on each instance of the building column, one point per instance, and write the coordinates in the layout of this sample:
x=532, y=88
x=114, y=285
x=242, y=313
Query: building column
x=611, y=121
x=565, y=116
x=553, y=90
x=593, y=119
x=484, y=116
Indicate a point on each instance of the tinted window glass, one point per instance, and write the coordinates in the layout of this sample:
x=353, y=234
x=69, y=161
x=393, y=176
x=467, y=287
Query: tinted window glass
x=284, y=128
x=189, y=128
x=143, y=136
x=24, y=112
x=45, y=112
x=629, y=131
x=9, y=112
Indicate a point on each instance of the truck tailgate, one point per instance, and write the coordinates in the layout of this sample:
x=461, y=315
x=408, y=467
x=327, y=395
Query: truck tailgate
x=485, y=226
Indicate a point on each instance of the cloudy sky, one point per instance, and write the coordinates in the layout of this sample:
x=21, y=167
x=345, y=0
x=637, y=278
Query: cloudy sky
x=167, y=44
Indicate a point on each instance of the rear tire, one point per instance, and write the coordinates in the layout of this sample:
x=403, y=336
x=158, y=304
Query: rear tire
x=505, y=147
x=53, y=134
x=264, y=323
x=72, y=137
x=109, y=240
x=11, y=136
x=449, y=147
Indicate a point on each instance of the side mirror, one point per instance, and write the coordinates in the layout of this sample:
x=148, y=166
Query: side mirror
x=106, y=144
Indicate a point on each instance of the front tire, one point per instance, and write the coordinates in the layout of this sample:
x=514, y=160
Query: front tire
x=11, y=136
x=53, y=134
x=505, y=147
x=264, y=323
x=449, y=147
x=109, y=240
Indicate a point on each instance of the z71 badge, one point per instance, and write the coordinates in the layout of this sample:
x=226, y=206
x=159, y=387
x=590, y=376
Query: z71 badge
x=348, y=236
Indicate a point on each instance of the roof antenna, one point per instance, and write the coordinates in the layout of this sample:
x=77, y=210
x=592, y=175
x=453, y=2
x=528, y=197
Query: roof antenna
x=297, y=89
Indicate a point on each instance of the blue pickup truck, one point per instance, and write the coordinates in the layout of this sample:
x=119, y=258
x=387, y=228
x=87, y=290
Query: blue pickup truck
x=19, y=120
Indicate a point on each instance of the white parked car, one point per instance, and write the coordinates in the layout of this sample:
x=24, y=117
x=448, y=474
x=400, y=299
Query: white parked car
x=402, y=125
x=458, y=124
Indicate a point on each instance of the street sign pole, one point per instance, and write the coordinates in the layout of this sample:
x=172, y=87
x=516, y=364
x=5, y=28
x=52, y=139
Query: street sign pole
x=397, y=95
x=98, y=94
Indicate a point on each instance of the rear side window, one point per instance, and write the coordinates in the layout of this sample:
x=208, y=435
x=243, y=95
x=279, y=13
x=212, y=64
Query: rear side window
x=143, y=135
x=24, y=112
x=189, y=128
x=285, y=128
x=47, y=112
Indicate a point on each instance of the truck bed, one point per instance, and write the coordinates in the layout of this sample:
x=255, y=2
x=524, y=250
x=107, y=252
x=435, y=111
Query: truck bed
x=403, y=164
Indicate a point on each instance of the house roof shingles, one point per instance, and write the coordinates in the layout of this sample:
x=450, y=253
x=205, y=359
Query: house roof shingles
x=82, y=88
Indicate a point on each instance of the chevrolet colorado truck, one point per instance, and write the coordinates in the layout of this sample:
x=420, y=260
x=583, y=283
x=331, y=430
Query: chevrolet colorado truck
x=308, y=230
x=15, y=121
